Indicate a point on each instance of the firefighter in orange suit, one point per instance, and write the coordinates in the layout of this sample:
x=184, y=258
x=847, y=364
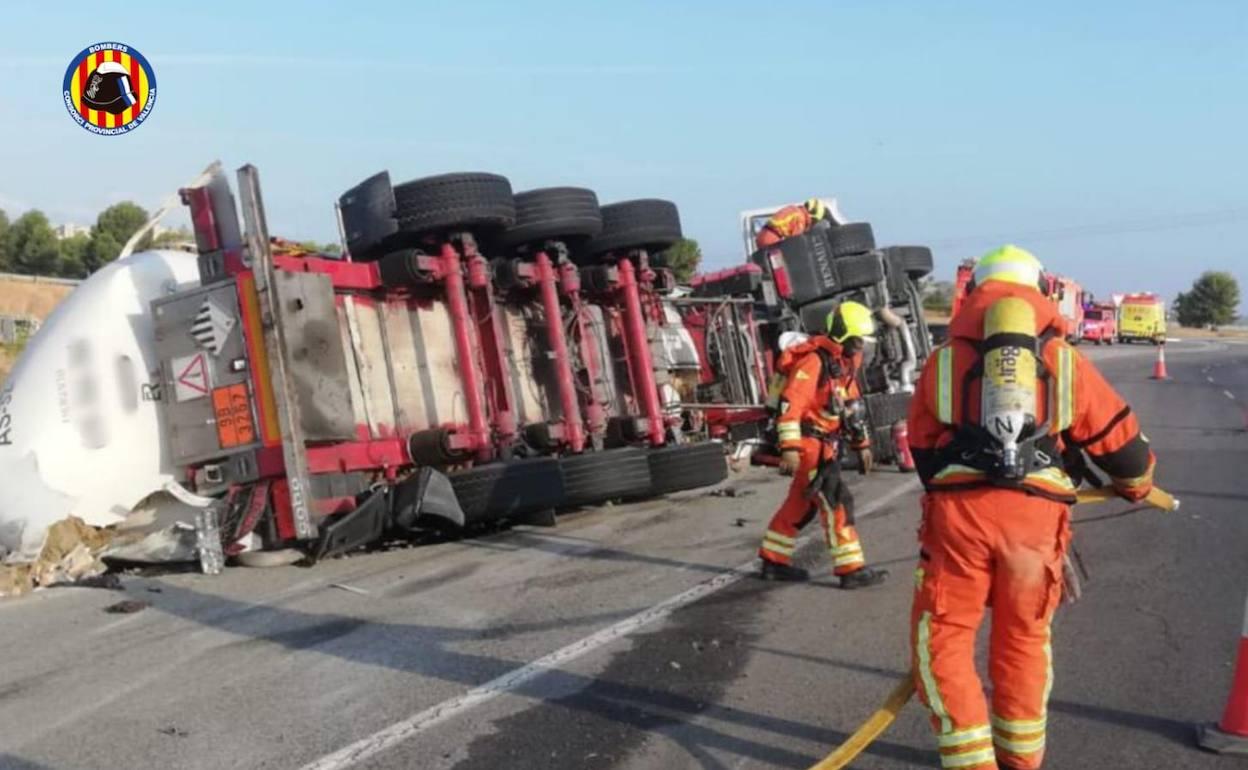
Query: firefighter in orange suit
x=818, y=405
x=791, y=221
x=996, y=408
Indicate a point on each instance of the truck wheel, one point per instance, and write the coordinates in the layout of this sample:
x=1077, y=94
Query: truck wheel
x=501, y=490
x=647, y=223
x=554, y=213
x=368, y=217
x=594, y=478
x=467, y=200
x=860, y=271
x=686, y=466
x=853, y=238
x=270, y=559
x=915, y=261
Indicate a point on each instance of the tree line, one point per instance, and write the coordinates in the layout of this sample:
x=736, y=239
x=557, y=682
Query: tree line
x=29, y=246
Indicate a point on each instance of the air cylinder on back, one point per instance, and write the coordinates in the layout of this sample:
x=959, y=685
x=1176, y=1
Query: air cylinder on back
x=1008, y=402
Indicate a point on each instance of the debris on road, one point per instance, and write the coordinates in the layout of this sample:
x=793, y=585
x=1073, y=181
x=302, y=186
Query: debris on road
x=128, y=607
x=71, y=552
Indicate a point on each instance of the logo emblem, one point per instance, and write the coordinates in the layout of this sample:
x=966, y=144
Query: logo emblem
x=109, y=89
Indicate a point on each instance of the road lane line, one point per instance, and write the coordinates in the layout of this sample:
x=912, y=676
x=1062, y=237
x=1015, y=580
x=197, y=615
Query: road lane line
x=1210, y=379
x=399, y=732
x=1229, y=394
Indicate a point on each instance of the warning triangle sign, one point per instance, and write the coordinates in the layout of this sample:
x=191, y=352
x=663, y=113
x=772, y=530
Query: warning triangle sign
x=191, y=377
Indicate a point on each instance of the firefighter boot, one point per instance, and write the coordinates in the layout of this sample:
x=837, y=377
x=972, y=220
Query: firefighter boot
x=773, y=570
x=863, y=578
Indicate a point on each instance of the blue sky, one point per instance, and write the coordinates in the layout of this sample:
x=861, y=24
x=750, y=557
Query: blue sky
x=1088, y=132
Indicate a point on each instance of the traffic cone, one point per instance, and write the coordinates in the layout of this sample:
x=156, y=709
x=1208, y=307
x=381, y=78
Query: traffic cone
x=1159, y=368
x=1230, y=736
x=901, y=440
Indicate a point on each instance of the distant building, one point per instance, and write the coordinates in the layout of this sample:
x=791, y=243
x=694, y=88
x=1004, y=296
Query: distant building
x=69, y=230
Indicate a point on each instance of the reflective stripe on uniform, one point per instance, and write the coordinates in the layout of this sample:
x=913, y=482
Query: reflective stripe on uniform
x=963, y=737
x=969, y=759
x=1019, y=747
x=780, y=538
x=789, y=431
x=771, y=545
x=1065, y=383
x=934, y=701
x=955, y=469
x=944, y=385
x=846, y=561
x=1019, y=726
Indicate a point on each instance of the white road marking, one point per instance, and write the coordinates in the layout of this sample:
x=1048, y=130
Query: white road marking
x=1210, y=379
x=1229, y=394
x=478, y=696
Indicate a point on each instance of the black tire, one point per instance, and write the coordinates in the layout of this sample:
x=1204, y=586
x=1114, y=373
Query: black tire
x=468, y=200
x=860, y=271
x=686, y=466
x=853, y=238
x=554, y=213
x=648, y=223
x=814, y=316
x=368, y=217
x=594, y=478
x=915, y=261
x=502, y=490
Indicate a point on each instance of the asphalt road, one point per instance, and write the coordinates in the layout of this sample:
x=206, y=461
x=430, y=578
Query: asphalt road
x=633, y=637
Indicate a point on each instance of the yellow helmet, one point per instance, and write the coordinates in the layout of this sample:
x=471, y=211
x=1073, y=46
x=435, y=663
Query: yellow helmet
x=818, y=212
x=1010, y=264
x=850, y=319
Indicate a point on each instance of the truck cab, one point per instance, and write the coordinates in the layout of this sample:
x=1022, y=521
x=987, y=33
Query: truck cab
x=1100, y=324
x=1142, y=318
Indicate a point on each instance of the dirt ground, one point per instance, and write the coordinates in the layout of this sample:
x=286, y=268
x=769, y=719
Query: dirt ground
x=28, y=298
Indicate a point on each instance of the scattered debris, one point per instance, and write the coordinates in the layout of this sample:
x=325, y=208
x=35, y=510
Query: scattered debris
x=739, y=522
x=71, y=553
x=698, y=646
x=128, y=607
x=675, y=665
x=175, y=732
x=350, y=589
x=109, y=581
x=155, y=590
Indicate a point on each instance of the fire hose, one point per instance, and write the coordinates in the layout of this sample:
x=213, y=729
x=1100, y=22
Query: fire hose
x=878, y=722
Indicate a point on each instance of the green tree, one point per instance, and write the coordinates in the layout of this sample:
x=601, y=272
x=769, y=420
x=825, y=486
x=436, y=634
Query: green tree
x=1212, y=301
x=683, y=257
x=74, y=256
x=112, y=229
x=4, y=228
x=31, y=245
x=321, y=248
x=937, y=295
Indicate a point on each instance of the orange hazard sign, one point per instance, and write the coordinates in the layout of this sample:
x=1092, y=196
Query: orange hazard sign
x=232, y=407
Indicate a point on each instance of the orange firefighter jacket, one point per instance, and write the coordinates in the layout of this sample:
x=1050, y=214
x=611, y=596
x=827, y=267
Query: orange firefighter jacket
x=813, y=400
x=1083, y=410
x=788, y=222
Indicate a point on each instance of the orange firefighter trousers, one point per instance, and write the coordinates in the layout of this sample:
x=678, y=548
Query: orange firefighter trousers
x=982, y=547
x=832, y=501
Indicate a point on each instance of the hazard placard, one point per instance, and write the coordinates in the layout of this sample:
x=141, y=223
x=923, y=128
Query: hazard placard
x=232, y=408
x=192, y=377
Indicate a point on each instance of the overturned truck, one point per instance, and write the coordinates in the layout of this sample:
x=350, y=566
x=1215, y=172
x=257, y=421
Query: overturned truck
x=477, y=355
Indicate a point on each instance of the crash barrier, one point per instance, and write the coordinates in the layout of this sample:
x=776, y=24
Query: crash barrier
x=882, y=718
x=1230, y=736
